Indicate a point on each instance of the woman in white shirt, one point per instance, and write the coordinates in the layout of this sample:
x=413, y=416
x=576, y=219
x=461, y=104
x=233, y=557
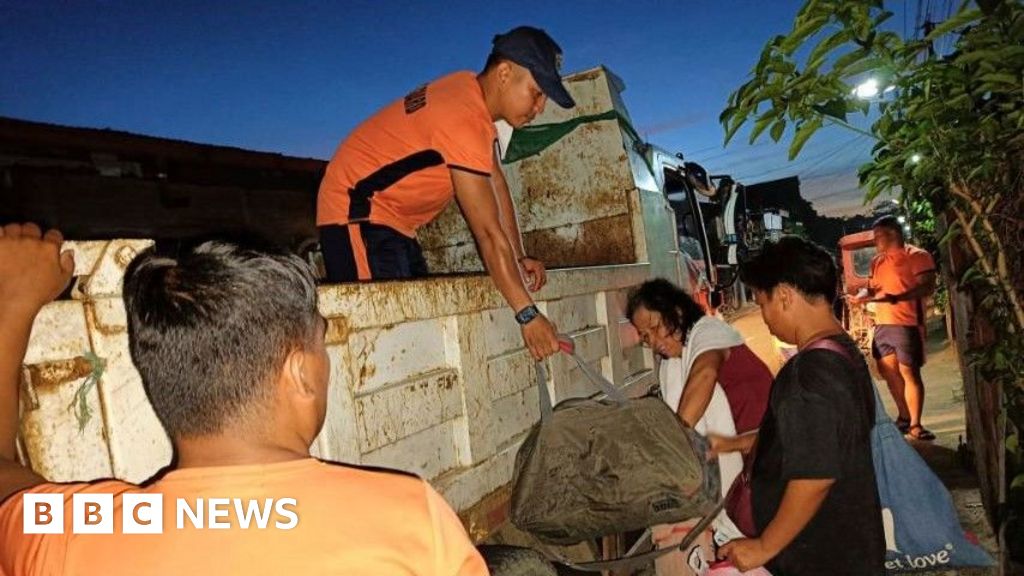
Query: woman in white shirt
x=708, y=376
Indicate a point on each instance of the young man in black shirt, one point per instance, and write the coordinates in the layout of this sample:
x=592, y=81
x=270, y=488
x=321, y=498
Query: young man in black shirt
x=813, y=485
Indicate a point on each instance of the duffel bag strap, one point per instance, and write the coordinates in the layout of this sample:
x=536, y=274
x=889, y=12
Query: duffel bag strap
x=542, y=388
x=637, y=560
x=594, y=376
x=546, y=406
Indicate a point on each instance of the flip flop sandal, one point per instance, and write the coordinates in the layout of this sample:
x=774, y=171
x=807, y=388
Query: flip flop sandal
x=918, y=432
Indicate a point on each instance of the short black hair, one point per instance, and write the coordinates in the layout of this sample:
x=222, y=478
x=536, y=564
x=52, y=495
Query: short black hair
x=678, y=311
x=891, y=223
x=791, y=260
x=493, y=60
x=209, y=330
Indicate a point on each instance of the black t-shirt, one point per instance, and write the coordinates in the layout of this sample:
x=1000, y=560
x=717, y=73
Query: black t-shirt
x=818, y=426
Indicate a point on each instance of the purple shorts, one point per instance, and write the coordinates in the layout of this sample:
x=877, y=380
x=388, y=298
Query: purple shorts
x=903, y=341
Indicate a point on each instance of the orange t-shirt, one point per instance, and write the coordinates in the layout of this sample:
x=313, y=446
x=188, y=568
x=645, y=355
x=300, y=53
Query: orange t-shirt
x=895, y=272
x=393, y=169
x=349, y=521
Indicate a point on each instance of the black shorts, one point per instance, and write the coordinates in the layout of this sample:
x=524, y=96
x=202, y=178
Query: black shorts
x=906, y=342
x=367, y=251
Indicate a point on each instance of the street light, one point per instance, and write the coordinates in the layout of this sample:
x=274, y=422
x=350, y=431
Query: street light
x=915, y=158
x=870, y=89
x=867, y=89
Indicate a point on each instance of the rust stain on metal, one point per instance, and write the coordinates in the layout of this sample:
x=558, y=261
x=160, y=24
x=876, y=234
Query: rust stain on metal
x=361, y=368
x=488, y=515
x=93, y=321
x=574, y=181
x=588, y=75
x=449, y=380
x=34, y=438
x=460, y=257
x=338, y=331
x=448, y=228
x=47, y=375
x=367, y=370
x=599, y=242
x=432, y=293
x=125, y=255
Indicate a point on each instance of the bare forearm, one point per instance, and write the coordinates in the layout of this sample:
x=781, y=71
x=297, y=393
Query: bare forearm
x=15, y=327
x=33, y=271
x=510, y=224
x=744, y=443
x=800, y=502
x=507, y=215
x=499, y=258
x=478, y=200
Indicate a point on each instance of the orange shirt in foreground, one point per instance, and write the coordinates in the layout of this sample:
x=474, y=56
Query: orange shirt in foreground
x=394, y=168
x=896, y=272
x=350, y=521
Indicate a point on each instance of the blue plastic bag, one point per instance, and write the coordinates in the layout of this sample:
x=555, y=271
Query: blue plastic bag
x=921, y=526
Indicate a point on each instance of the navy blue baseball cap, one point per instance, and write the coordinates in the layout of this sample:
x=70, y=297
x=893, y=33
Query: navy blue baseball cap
x=534, y=50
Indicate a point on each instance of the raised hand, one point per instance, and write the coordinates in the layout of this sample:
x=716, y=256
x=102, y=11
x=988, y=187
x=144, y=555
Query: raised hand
x=33, y=270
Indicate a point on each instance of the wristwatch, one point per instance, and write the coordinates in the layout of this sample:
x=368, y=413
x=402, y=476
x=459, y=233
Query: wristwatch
x=526, y=315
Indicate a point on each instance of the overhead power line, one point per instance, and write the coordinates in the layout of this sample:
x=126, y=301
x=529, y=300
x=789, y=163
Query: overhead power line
x=798, y=166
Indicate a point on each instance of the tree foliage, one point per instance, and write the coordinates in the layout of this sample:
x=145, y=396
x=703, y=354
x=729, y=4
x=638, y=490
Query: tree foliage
x=950, y=138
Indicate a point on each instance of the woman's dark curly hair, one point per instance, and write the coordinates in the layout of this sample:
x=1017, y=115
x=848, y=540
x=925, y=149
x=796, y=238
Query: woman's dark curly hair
x=679, y=312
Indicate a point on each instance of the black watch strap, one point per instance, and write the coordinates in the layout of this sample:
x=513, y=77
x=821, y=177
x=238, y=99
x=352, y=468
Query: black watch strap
x=526, y=315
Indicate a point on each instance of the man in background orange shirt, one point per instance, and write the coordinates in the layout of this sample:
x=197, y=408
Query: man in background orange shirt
x=230, y=348
x=902, y=276
x=400, y=168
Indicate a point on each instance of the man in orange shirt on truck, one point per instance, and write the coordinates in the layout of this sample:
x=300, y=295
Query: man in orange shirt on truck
x=230, y=347
x=902, y=276
x=399, y=169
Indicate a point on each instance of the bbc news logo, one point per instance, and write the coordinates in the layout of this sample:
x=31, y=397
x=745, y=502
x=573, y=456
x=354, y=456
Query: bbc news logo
x=144, y=513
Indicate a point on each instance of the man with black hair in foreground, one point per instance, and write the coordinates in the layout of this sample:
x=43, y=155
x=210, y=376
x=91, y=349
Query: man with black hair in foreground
x=230, y=347
x=815, y=499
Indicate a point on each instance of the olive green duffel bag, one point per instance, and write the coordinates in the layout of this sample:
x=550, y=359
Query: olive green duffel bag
x=592, y=468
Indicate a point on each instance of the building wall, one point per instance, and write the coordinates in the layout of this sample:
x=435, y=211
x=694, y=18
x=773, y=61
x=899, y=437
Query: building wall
x=102, y=184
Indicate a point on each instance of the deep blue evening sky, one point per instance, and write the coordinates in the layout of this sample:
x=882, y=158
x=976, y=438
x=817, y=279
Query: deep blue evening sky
x=295, y=77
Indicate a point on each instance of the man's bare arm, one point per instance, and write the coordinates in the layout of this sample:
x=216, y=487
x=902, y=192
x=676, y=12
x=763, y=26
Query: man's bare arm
x=15, y=326
x=475, y=195
x=33, y=272
x=924, y=288
x=533, y=269
x=507, y=209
